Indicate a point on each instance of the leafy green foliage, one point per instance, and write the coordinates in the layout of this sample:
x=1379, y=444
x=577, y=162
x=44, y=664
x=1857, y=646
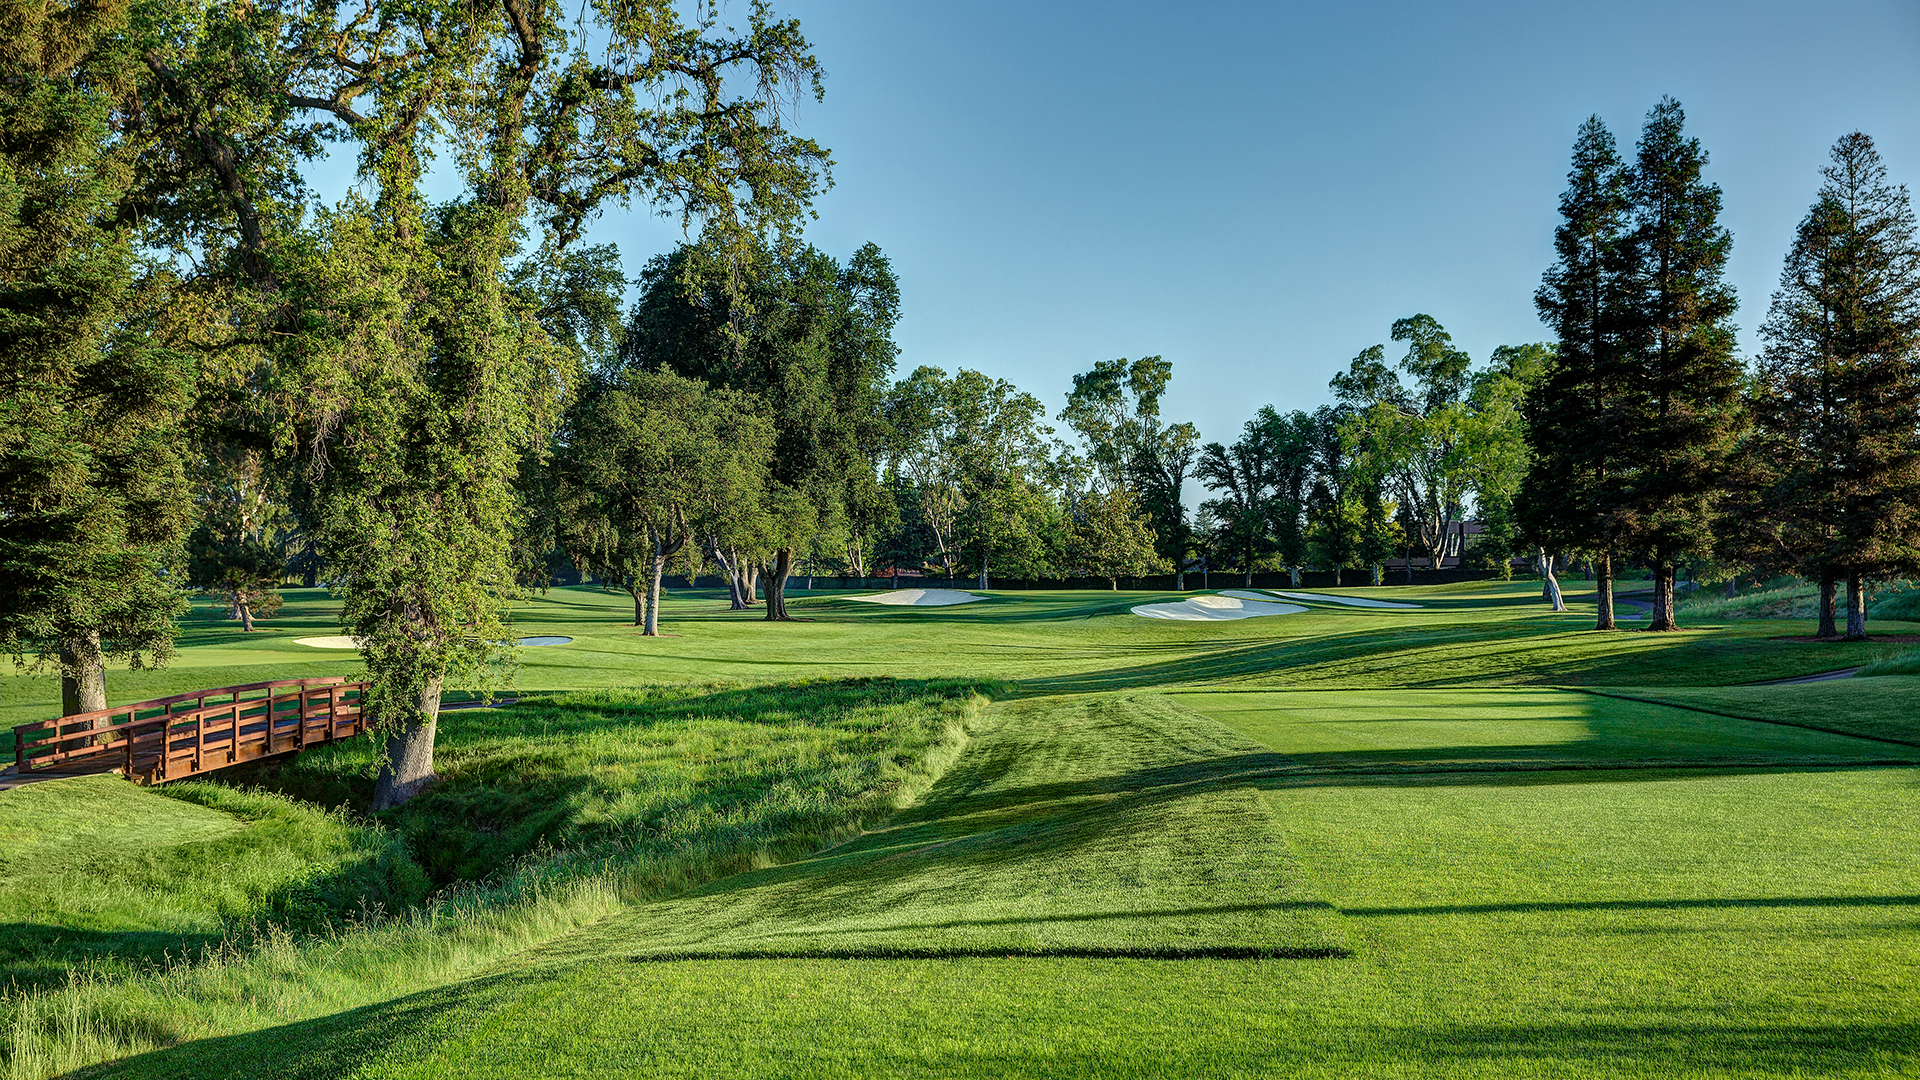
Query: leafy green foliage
x=650, y=461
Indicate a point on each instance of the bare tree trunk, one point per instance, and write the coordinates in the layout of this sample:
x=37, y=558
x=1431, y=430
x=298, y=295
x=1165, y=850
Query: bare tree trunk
x=1856, y=607
x=753, y=584
x=1733, y=586
x=1663, y=597
x=777, y=585
x=1249, y=583
x=652, y=627
x=731, y=571
x=1602, y=567
x=246, y=618
x=1827, y=629
x=1180, y=578
x=983, y=570
x=1379, y=574
x=639, y=602
x=83, y=675
x=1336, y=576
x=1550, y=585
x=1113, y=584
x=1293, y=576
x=408, y=767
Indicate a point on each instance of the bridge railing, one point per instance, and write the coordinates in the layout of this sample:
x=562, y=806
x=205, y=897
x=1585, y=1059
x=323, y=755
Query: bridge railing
x=175, y=737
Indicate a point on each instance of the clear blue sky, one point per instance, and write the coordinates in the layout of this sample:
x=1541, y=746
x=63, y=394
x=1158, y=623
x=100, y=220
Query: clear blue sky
x=1257, y=190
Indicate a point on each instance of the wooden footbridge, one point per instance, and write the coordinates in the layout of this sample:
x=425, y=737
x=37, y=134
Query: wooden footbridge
x=173, y=738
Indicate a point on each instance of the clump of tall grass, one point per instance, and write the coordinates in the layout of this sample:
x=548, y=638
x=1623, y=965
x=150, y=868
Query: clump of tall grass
x=756, y=776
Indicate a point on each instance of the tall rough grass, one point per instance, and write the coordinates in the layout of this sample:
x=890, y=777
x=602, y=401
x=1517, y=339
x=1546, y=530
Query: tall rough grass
x=265, y=975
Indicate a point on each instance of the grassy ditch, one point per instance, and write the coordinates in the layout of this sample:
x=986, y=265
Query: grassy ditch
x=680, y=787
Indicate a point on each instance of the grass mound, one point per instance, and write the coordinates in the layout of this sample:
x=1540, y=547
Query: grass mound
x=1071, y=828
x=99, y=873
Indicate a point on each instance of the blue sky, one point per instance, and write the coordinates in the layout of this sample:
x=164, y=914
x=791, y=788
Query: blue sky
x=1256, y=191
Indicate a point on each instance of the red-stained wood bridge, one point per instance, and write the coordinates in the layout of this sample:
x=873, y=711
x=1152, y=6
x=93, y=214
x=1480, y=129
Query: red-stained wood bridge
x=174, y=738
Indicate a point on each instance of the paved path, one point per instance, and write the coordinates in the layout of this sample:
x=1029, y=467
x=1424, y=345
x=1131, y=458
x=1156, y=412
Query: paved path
x=1825, y=676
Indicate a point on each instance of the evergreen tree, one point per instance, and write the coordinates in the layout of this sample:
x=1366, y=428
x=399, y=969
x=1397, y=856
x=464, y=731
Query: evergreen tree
x=1840, y=414
x=1571, y=497
x=93, y=496
x=1680, y=403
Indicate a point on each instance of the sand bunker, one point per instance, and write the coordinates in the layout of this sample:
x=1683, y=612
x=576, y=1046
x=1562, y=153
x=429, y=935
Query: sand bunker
x=337, y=641
x=1213, y=608
x=1350, y=601
x=342, y=641
x=916, y=597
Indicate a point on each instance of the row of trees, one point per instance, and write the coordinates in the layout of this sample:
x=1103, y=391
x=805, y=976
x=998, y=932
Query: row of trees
x=1651, y=441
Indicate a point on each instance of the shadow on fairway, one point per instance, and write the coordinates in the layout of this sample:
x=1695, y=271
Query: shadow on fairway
x=1543, y=907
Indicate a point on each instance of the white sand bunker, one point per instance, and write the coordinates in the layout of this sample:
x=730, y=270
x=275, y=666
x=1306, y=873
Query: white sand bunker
x=342, y=641
x=337, y=641
x=1213, y=608
x=916, y=597
x=1350, y=601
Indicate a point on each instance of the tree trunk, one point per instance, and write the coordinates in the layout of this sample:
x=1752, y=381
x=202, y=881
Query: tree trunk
x=731, y=571
x=1409, y=565
x=1827, y=629
x=1663, y=619
x=1180, y=579
x=1550, y=585
x=777, y=585
x=1293, y=576
x=639, y=602
x=83, y=675
x=246, y=617
x=1113, y=584
x=1603, y=590
x=1733, y=586
x=408, y=767
x=1249, y=574
x=983, y=570
x=753, y=584
x=1336, y=575
x=1379, y=574
x=652, y=627
x=1856, y=607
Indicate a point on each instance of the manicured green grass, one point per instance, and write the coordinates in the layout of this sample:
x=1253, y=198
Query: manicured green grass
x=1342, y=843
x=1523, y=729
x=1876, y=707
x=1618, y=923
x=1480, y=634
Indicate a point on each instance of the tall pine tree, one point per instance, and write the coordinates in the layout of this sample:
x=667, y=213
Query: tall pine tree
x=93, y=500
x=1681, y=393
x=1841, y=407
x=1571, y=497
